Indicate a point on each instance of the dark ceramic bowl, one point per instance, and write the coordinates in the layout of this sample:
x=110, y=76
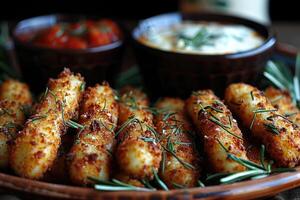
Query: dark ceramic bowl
x=39, y=63
x=177, y=74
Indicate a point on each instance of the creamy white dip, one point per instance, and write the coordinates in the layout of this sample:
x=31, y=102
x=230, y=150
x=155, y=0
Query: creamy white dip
x=203, y=38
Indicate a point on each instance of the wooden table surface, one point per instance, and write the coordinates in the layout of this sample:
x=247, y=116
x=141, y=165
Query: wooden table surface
x=288, y=32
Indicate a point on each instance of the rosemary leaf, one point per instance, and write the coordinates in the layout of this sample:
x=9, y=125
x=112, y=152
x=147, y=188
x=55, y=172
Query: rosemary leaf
x=75, y=125
x=272, y=128
x=124, y=125
x=252, y=97
x=213, y=108
x=82, y=87
x=159, y=181
x=246, y=163
x=168, y=115
x=178, y=186
x=147, y=139
x=241, y=176
x=224, y=128
x=252, y=121
x=259, y=176
x=115, y=185
x=217, y=176
x=185, y=164
x=36, y=117
x=163, y=162
x=200, y=183
x=262, y=156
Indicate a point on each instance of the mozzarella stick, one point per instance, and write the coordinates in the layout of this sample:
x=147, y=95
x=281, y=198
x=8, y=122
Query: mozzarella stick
x=15, y=97
x=220, y=132
x=180, y=160
x=282, y=100
x=57, y=172
x=91, y=154
x=137, y=154
x=36, y=146
x=279, y=135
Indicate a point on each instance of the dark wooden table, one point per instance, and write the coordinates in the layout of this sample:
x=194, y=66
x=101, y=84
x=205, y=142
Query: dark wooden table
x=288, y=32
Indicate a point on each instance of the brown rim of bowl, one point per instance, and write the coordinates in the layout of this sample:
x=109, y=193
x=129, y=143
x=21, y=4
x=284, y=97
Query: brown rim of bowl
x=269, y=42
x=51, y=20
x=256, y=188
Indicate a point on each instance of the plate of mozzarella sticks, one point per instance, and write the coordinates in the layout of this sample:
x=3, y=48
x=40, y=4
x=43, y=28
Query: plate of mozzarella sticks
x=96, y=142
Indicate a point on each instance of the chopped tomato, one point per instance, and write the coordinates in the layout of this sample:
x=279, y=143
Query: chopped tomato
x=112, y=25
x=75, y=43
x=97, y=38
x=78, y=35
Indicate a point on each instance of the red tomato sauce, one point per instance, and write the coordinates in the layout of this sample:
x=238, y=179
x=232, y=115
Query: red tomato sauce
x=78, y=35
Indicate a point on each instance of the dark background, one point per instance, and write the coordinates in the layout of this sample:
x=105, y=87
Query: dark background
x=287, y=10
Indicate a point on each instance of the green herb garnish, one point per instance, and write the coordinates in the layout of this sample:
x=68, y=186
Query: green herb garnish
x=36, y=117
x=280, y=76
x=254, y=170
x=130, y=120
x=159, y=181
x=115, y=185
x=272, y=128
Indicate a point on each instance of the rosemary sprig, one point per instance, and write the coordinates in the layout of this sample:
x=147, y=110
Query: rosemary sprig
x=241, y=176
x=276, y=99
x=159, y=181
x=185, y=164
x=82, y=87
x=178, y=186
x=130, y=120
x=224, y=128
x=259, y=111
x=74, y=125
x=147, y=184
x=213, y=108
x=254, y=171
x=202, y=37
x=147, y=139
x=163, y=162
x=290, y=114
x=251, y=94
x=280, y=76
x=200, y=183
x=168, y=115
x=230, y=121
x=183, y=143
x=36, y=117
x=152, y=130
x=216, y=176
x=116, y=185
x=272, y=128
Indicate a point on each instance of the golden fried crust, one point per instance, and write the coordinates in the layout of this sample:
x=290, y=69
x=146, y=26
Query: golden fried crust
x=174, y=129
x=282, y=100
x=15, y=90
x=14, y=97
x=136, y=157
x=90, y=155
x=278, y=134
x=57, y=173
x=36, y=146
x=207, y=111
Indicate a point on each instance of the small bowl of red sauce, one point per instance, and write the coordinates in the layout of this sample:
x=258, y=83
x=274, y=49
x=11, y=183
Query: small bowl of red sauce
x=46, y=44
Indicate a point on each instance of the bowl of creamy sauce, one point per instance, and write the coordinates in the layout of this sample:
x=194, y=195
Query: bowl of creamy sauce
x=201, y=37
x=177, y=53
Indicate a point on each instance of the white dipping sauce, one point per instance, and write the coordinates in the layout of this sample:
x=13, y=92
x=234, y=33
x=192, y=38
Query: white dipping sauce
x=203, y=38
